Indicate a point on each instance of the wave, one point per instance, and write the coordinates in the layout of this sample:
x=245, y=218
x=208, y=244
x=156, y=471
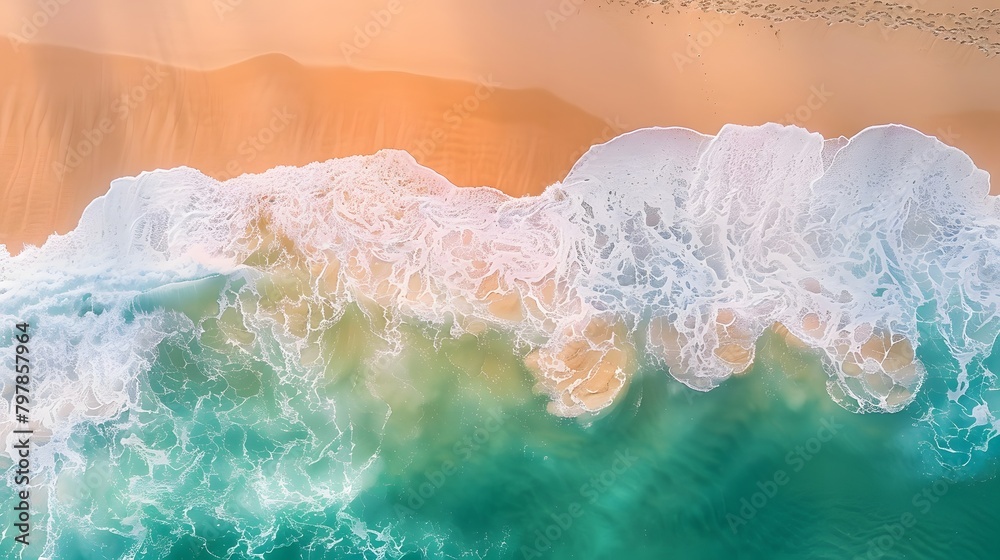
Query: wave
x=662, y=246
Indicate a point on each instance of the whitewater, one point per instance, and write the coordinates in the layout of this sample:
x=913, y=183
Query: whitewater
x=663, y=248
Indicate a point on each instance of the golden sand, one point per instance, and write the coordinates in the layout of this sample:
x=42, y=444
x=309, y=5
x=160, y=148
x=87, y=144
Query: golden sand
x=73, y=121
x=607, y=67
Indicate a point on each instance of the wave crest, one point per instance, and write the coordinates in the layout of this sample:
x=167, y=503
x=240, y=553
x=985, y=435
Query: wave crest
x=663, y=244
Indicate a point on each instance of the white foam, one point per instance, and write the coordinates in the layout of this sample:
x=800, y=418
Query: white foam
x=673, y=245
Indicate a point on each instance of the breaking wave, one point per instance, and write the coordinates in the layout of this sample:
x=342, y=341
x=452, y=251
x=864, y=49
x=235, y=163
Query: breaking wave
x=880, y=253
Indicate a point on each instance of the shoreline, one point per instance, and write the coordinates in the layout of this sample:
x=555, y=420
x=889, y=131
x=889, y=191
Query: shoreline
x=491, y=260
x=567, y=83
x=140, y=116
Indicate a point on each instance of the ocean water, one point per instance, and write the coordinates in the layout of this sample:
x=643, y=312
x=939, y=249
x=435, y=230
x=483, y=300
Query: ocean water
x=763, y=344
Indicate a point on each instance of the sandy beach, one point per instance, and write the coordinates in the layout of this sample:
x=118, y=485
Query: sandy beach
x=86, y=119
x=668, y=279
x=86, y=101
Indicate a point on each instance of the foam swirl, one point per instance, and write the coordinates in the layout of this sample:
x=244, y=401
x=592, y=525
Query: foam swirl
x=661, y=245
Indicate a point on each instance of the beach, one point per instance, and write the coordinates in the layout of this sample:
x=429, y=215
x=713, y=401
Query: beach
x=465, y=100
x=89, y=119
x=500, y=279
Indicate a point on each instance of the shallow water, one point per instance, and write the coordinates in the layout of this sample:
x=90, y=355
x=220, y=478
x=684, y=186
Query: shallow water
x=306, y=364
x=227, y=457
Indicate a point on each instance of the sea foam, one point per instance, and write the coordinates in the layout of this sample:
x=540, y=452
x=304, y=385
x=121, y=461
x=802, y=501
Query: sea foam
x=662, y=246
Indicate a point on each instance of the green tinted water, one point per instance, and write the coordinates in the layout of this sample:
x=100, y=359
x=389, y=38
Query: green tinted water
x=445, y=452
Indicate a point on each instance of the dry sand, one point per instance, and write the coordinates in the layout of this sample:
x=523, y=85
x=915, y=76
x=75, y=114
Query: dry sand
x=227, y=92
x=72, y=121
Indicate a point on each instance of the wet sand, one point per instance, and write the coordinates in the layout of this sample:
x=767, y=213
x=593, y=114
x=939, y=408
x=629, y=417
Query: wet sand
x=73, y=121
x=224, y=88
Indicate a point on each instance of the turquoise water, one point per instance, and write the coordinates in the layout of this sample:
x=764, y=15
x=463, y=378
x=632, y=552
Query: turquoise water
x=450, y=455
